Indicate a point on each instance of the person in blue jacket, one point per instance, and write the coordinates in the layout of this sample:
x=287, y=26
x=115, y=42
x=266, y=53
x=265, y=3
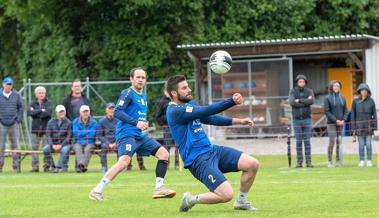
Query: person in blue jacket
x=84, y=138
x=208, y=162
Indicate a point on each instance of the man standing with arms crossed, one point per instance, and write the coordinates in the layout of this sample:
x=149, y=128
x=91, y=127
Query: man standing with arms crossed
x=208, y=162
x=301, y=98
x=131, y=111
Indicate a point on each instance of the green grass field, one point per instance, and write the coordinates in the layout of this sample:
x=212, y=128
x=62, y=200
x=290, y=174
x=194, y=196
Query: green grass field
x=278, y=192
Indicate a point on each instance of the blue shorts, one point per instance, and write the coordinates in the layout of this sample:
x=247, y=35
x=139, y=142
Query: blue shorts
x=209, y=168
x=144, y=146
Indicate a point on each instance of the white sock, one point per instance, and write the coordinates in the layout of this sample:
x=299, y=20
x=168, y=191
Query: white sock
x=242, y=196
x=159, y=182
x=103, y=182
x=195, y=199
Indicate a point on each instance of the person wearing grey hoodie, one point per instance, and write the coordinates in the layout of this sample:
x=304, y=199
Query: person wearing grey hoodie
x=336, y=112
x=364, y=122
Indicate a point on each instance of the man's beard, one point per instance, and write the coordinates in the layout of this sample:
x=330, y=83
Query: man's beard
x=185, y=99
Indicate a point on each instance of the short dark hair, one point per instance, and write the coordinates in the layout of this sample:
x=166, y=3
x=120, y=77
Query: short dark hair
x=172, y=83
x=76, y=80
x=131, y=72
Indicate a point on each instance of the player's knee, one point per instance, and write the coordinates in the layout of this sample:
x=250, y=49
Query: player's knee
x=123, y=163
x=162, y=153
x=252, y=164
x=255, y=164
x=227, y=196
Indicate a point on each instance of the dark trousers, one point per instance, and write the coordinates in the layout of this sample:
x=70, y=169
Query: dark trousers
x=303, y=132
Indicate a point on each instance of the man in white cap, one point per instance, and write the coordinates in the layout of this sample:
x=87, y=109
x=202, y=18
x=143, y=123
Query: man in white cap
x=84, y=138
x=58, y=134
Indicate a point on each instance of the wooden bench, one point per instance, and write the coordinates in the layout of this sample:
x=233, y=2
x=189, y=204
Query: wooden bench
x=25, y=153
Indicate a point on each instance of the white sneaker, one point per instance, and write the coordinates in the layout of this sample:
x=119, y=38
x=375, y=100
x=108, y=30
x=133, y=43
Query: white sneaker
x=338, y=164
x=369, y=163
x=330, y=164
x=244, y=206
x=361, y=163
x=96, y=196
x=186, y=205
x=163, y=192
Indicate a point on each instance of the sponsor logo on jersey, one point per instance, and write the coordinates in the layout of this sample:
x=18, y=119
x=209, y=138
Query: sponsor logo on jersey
x=189, y=109
x=141, y=113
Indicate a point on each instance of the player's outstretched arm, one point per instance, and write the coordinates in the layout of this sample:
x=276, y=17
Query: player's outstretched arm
x=244, y=121
x=217, y=120
x=191, y=112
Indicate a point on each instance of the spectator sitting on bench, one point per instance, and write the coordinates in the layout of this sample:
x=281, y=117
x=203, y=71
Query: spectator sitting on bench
x=40, y=111
x=58, y=134
x=107, y=135
x=84, y=138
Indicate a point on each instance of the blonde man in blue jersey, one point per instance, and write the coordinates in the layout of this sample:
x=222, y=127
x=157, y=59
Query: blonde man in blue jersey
x=131, y=111
x=208, y=162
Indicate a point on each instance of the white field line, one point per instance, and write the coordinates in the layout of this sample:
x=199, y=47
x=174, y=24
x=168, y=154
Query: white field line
x=181, y=184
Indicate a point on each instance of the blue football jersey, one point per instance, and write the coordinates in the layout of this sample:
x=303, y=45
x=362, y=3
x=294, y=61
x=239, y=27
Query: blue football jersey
x=185, y=122
x=131, y=107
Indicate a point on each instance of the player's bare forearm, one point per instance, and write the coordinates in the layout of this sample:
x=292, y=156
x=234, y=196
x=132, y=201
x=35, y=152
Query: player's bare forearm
x=244, y=121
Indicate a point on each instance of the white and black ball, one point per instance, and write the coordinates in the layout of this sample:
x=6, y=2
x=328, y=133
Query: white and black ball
x=220, y=62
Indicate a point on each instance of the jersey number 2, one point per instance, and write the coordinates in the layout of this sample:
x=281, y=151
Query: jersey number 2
x=210, y=176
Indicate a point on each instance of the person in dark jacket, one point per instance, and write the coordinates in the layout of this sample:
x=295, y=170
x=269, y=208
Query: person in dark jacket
x=107, y=135
x=301, y=98
x=364, y=122
x=75, y=100
x=84, y=137
x=40, y=111
x=58, y=134
x=160, y=116
x=336, y=112
x=10, y=119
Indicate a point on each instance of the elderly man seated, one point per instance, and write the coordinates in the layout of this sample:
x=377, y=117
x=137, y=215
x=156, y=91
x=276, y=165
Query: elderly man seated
x=58, y=134
x=84, y=138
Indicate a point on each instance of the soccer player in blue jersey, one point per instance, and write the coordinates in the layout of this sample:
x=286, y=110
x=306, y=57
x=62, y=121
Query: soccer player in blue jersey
x=131, y=111
x=208, y=162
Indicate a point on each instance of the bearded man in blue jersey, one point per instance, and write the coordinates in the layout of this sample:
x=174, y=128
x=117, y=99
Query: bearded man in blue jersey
x=208, y=162
x=131, y=111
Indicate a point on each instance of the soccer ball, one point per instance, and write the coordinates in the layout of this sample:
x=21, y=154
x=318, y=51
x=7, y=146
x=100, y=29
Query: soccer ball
x=220, y=62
